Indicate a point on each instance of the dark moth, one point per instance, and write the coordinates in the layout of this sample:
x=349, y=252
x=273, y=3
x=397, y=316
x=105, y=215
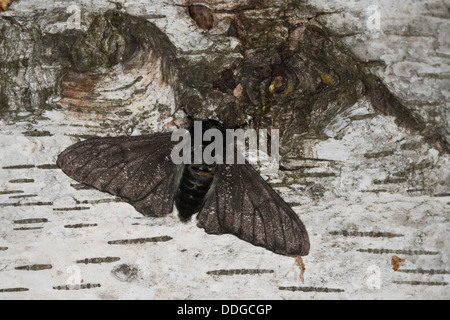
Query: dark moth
x=229, y=198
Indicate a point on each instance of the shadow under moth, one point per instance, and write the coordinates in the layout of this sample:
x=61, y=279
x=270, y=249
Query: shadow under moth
x=229, y=198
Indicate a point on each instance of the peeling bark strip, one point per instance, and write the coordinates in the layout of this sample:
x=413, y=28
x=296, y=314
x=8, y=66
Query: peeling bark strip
x=311, y=289
x=35, y=267
x=375, y=234
x=14, y=289
x=301, y=266
x=141, y=240
x=399, y=251
x=232, y=272
x=99, y=260
x=395, y=261
x=78, y=286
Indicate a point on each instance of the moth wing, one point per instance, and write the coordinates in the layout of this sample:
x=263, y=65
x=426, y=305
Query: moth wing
x=138, y=169
x=244, y=205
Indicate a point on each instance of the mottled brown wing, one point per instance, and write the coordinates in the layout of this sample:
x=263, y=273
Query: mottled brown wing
x=138, y=169
x=244, y=205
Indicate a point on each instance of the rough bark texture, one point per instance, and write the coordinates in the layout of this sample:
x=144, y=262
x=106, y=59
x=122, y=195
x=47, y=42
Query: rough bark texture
x=362, y=109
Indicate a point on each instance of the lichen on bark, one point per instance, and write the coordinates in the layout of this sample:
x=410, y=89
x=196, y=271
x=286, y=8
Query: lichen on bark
x=77, y=67
x=292, y=73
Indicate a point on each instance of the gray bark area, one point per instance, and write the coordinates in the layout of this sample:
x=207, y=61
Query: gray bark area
x=364, y=122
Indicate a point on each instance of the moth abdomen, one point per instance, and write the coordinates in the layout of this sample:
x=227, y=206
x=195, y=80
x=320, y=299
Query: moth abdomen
x=195, y=183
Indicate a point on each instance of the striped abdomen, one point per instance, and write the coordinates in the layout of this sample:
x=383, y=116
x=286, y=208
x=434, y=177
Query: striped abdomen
x=195, y=183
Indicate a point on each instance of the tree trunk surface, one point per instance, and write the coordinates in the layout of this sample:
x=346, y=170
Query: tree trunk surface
x=358, y=90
